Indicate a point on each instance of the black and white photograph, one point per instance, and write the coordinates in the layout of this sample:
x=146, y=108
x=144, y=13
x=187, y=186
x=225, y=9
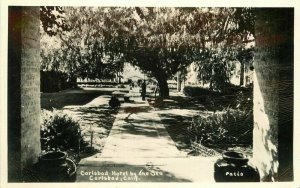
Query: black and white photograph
x=148, y=94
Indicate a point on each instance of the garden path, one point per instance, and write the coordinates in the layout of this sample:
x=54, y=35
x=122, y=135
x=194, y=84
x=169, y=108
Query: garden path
x=139, y=149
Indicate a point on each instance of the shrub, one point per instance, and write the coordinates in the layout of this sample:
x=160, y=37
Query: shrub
x=244, y=99
x=114, y=102
x=121, y=86
x=223, y=128
x=193, y=91
x=53, y=81
x=59, y=131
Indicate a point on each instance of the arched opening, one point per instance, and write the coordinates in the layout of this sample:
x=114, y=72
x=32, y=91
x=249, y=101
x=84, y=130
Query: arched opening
x=273, y=91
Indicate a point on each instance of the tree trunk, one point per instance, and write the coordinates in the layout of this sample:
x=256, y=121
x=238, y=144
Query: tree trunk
x=242, y=73
x=178, y=81
x=163, y=88
x=182, y=84
x=73, y=81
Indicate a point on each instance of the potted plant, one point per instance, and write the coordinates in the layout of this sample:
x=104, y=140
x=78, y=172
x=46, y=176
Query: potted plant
x=55, y=166
x=234, y=167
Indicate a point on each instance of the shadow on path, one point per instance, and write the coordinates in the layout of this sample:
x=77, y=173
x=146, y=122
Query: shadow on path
x=96, y=119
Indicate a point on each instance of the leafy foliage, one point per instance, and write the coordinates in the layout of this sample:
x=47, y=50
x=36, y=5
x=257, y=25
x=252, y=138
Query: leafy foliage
x=223, y=128
x=52, y=19
x=226, y=126
x=231, y=42
x=53, y=81
x=78, y=51
x=196, y=91
x=161, y=41
x=60, y=132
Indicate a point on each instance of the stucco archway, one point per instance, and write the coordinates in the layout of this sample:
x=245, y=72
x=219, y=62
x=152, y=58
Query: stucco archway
x=273, y=91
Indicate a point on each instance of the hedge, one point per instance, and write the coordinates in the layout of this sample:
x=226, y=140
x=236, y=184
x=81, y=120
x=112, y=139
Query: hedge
x=53, y=81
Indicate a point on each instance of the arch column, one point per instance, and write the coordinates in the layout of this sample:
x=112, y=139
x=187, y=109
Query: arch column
x=23, y=90
x=273, y=94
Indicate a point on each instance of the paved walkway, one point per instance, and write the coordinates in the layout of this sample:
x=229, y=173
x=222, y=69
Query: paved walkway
x=138, y=132
x=139, y=149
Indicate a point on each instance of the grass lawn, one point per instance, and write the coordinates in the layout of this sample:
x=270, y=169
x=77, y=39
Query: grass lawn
x=99, y=119
x=69, y=97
